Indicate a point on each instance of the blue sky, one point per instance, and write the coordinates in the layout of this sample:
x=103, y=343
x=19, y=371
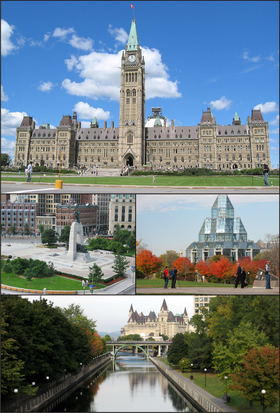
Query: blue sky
x=172, y=222
x=60, y=57
x=111, y=312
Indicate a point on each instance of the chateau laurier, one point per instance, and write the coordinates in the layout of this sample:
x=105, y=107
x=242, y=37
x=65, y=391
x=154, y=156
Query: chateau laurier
x=208, y=144
x=152, y=326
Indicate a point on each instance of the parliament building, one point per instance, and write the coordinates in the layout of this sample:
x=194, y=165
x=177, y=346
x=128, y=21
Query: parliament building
x=153, y=326
x=134, y=143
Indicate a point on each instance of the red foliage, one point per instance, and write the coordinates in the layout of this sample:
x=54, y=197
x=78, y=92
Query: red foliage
x=184, y=267
x=221, y=269
x=202, y=268
x=147, y=263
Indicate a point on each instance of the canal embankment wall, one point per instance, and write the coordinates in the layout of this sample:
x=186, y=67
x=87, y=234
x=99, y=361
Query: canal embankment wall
x=200, y=399
x=41, y=401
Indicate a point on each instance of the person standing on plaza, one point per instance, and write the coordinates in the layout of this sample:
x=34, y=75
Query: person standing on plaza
x=238, y=276
x=29, y=171
x=265, y=174
x=243, y=277
x=19, y=171
x=267, y=276
x=166, y=277
x=173, y=276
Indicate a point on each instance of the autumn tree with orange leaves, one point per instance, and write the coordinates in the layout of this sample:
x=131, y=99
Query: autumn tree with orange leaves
x=147, y=264
x=185, y=268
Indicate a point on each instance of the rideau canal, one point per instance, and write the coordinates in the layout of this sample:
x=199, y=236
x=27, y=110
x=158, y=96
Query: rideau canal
x=130, y=383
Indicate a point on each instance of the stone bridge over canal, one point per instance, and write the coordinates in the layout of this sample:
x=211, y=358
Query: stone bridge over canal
x=145, y=346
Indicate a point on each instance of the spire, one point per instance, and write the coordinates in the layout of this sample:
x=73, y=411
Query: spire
x=164, y=306
x=132, y=43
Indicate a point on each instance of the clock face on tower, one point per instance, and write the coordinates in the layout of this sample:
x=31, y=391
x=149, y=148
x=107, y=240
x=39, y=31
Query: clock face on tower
x=132, y=58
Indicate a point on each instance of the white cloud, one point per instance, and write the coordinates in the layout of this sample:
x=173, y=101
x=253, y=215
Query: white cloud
x=221, y=104
x=8, y=147
x=275, y=121
x=250, y=59
x=101, y=75
x=274, y=131
x=46, y=86
x=7, y=45
x=85, y=111
x=46, y=37
x=270, y=58
x=4, y=97
x=62, y=33
x=10, y=121
x=267, y=107
x=81, y=43
x=119, y=34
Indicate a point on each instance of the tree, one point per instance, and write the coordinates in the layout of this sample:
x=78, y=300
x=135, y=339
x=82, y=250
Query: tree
x=5, y=159
x=7, y=269
x=260, y=370
x=29, y=274
x=184, y=364
x=13, y=229
x=185, y=268
x=64, y=236
x=168, y=258
x=228, y=358
x=26, y=229
x=202, y=268
x=120, y=265
x=177, y=349
x=49, y=237
x=75, y=314
x=12, y=367
x=140, y=246
x=222, y=269
x=133, y=337
x=95, y=274
x=41, y=229
x=147, y=263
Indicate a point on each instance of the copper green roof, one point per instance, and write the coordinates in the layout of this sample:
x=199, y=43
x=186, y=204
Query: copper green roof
x=157, y=121
x=133, y=43
x=236, y=117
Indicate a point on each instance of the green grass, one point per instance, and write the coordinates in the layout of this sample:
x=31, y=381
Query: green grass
x=214, y=387
x=158, y=283
x=58, y=283
x=148, y=180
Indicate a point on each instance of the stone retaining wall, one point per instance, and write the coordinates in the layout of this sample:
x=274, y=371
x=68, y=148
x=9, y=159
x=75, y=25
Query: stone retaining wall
x=201, y=403
x=42, y=401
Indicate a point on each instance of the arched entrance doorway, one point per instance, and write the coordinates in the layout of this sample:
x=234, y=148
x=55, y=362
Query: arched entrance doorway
x=129, y=161
x=234, y=166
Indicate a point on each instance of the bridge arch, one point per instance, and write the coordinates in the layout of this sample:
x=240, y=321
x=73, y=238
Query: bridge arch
x=125, y=345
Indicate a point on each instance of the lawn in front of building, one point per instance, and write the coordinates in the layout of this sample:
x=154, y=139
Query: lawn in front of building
x=225, y=181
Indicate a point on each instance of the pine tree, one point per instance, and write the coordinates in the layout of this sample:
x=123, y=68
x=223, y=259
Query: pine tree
x=95, y=274
x=120, y=265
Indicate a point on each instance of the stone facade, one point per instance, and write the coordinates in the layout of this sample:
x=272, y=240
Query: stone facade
x=208, y=144
x=152, y=326
x=122, y=212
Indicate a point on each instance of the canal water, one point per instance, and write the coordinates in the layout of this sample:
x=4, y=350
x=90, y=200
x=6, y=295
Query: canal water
x=131, y=383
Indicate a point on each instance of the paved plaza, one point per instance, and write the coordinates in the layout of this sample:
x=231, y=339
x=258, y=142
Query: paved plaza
x=30, y=249
x=209, y=291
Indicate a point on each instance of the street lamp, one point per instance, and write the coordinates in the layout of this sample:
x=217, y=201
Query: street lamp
x=263, y=393
x=205, y=376
x=226, y=386
x=16, y=392
x=191, y=372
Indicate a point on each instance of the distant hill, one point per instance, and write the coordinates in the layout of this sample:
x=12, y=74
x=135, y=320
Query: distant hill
x=113, y=335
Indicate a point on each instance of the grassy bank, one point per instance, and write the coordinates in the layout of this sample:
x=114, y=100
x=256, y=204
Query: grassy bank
x=213, y=386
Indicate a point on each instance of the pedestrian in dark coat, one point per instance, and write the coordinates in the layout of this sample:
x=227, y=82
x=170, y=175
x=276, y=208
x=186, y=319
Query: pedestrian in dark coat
x=173, y=276
x=243, y=277
x=238, y=275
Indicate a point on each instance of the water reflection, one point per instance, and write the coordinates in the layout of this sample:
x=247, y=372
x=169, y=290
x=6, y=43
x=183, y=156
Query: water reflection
x=129, y=384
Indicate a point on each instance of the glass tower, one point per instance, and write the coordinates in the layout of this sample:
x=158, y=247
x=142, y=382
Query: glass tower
x=222, y=234
x=222, y=226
